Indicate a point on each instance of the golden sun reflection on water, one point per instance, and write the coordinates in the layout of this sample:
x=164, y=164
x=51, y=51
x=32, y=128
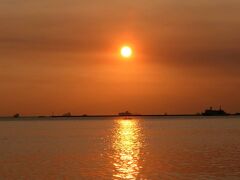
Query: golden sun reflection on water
x=127, y=145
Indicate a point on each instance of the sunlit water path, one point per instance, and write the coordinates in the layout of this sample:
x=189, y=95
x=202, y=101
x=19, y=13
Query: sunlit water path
x=127, y=143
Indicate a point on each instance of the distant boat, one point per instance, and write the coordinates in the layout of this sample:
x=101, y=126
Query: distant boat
x=213, y=112
x=16, y=115
x=126, y=113
x=68, y=114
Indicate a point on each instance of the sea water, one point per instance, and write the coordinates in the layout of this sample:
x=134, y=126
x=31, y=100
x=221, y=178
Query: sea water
x=119, y=148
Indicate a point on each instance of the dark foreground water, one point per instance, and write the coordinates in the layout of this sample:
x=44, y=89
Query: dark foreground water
x=140, y=148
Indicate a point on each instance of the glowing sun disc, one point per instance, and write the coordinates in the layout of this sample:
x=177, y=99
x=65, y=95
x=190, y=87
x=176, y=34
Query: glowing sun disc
x=126, y=52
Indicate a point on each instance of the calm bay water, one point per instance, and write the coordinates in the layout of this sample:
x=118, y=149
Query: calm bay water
x=111, y=148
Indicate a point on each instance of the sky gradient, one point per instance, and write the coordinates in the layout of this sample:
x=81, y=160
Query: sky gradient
x=58, y=56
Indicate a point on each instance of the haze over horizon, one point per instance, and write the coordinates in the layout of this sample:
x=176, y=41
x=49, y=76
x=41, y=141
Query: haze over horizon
x=63, y=56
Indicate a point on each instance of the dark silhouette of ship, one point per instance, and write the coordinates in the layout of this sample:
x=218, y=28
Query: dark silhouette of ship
x=68, y=114
x=16, y=115
x=214, y=112
x=126, y=113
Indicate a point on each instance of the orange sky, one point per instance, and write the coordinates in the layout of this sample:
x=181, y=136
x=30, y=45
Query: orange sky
x=60, y=56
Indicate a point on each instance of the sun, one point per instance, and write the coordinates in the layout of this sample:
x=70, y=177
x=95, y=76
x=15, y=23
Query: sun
x=126, y=51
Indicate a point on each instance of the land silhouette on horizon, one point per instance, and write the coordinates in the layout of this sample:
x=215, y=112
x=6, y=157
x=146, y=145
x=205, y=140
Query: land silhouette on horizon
x=207, y=112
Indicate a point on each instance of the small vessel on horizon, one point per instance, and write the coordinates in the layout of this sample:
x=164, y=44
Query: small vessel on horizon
x=16, y=115
x=126, y=113
x=214, y=112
